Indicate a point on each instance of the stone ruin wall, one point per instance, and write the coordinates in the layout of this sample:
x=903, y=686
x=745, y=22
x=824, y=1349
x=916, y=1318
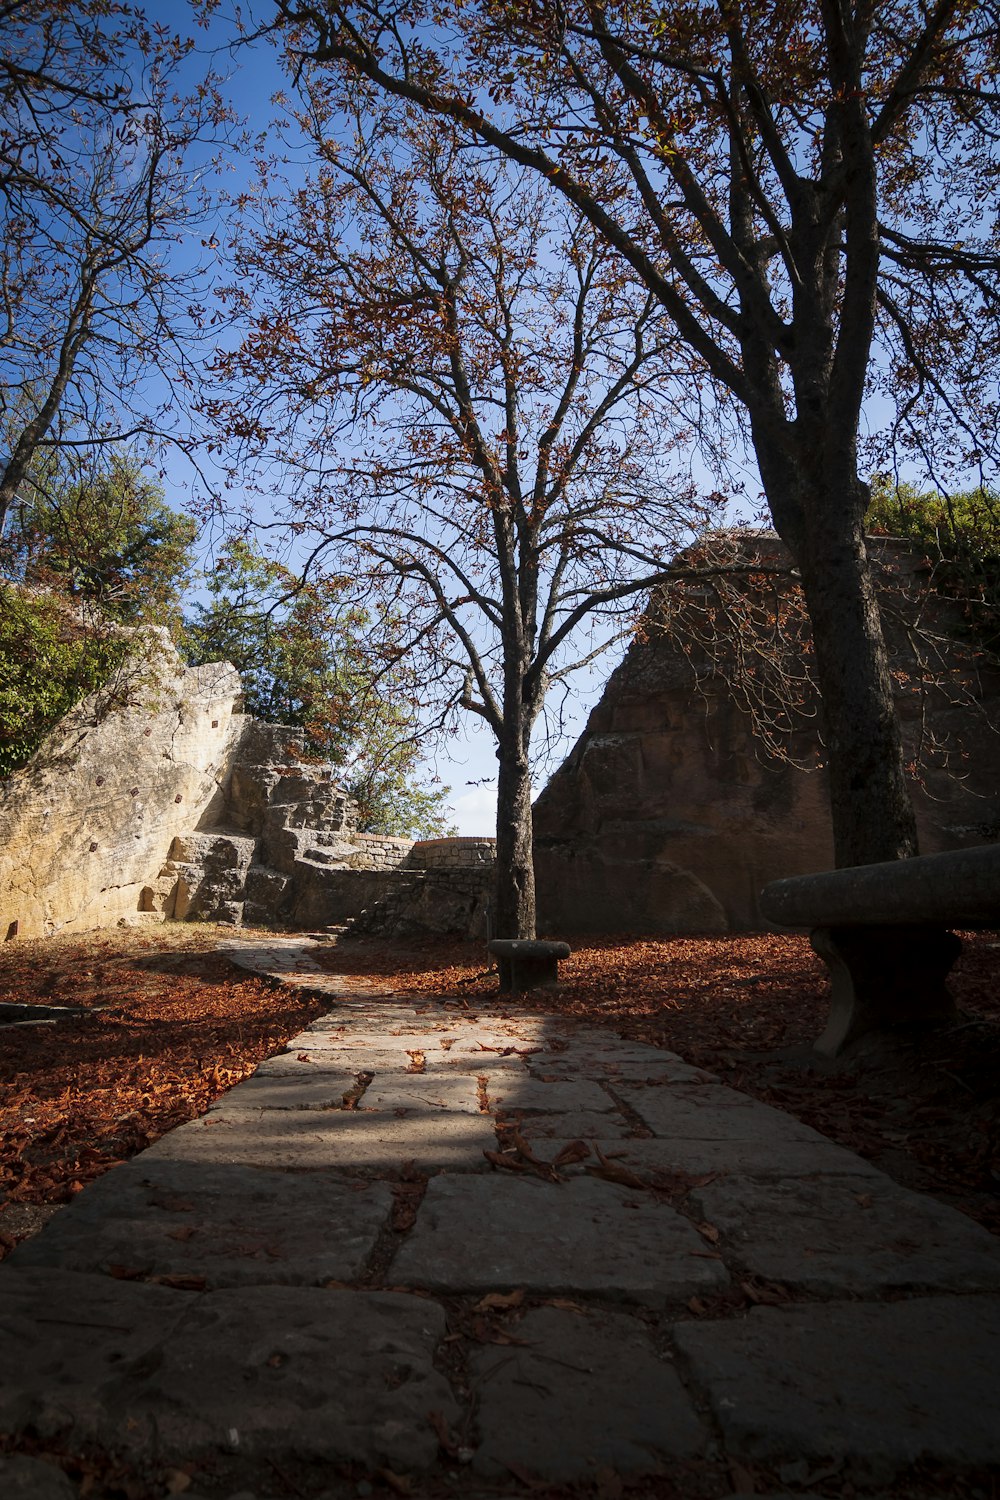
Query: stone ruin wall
x=667, y=817
x=184, y=807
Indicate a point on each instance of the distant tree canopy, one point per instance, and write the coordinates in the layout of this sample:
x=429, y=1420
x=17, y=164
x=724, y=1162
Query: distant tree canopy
x=102, y=536
x=961, y=536
x=86, y=551
x=48, y=663
x=303, y=654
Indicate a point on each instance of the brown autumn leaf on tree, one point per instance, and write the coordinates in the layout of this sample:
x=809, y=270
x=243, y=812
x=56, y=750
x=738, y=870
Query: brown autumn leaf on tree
x=808, y=192
x=466, y=379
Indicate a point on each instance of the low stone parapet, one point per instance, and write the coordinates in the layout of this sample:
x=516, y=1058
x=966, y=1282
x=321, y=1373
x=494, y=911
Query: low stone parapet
x=453, y=853
x=883, y=931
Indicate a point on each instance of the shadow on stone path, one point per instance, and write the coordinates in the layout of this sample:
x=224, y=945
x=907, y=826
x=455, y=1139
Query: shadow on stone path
x=360, y=1273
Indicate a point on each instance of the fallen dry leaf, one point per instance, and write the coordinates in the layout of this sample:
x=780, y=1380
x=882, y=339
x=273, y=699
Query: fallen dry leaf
x=573, y=1151
x=614, y=1171
x=501, y=1299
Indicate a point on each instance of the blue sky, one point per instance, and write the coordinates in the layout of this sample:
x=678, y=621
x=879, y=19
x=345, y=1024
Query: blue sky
x=466, y=762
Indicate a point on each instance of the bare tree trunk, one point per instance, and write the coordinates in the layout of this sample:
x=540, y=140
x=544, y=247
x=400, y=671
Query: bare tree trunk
x=820, y=517
x=515, y=914
x=872, y=813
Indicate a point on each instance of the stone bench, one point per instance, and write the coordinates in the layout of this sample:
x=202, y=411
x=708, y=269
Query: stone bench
x=883, y=932
x=525, y=963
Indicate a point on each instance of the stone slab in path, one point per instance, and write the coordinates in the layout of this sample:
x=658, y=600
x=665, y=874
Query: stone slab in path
x=849, y=1236
x=343, y=1140
x=511, y=1095
x=230, y=1225
x=587, y=1392
x=878, y=1386
x=64, y=1335
x=774, y=1158
x=428, y=1091
x=711, y=1112
x=500, y=1232
x=273, y=1372
x=295, y=1090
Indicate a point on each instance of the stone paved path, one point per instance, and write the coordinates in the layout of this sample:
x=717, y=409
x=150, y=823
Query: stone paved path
x=327, y=1286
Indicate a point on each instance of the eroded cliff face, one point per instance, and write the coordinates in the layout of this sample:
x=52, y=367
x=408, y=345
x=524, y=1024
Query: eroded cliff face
x=186, y=808
x=669, y=815
x=85, y=826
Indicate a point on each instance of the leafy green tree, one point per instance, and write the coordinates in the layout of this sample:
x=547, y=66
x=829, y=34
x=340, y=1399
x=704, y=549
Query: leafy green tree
x=103, y=536
x=303, y=651
x=48, y=662
x=960, y=534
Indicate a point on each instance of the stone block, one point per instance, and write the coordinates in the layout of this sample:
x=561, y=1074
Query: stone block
x=495, y=1233
x=221, y=1225
x=578, y=1393
x=878, y=1387
x=848, y=1236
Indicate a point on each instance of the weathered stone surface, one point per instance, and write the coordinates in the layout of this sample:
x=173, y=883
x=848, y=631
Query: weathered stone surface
x=324, y=1375
x=483, y=1233
x=668, y=815
x=849, y=1236
x=558, y=1127
x=64, y=1336
x=33, y=1479
x=230, y=1226
x=85, y=828
x=535, y=1096
x=760, y=1158
x=422, y=1091
x=709, y=1112
x=317, y=1139
x=880, y=1386
x=295, y=1090
x=588, y=1392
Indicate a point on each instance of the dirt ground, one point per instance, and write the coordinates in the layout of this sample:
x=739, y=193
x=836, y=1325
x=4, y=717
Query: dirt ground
x=162, y=1024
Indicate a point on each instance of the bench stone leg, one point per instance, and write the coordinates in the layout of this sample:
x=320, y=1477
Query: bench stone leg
x=517, y=974
x=884, y=977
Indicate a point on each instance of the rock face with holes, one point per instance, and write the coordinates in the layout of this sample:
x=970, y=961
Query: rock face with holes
x=668, y=815
x=184, y=807
x=85, y=825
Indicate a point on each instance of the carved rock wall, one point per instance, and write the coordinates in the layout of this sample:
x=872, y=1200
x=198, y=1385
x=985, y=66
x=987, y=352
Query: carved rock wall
x=84, y=827
x=668, y=817
x=186, y=808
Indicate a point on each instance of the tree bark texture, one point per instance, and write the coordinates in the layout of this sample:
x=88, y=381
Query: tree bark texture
x=515, y=894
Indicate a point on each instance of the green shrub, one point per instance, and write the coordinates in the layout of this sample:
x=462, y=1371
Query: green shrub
x=48, y=663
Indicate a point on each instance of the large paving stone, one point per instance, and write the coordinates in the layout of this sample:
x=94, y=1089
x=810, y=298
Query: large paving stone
x=848, y=1235
x=511, y=1095
x=340, y=1039
x=559, y=1127
x=607, y=1051
x=878, y=1386
x=589, y=1392
x=434, y=1091
x=749, y=1158
x=64, y=1336
x=24, y=1478
x=306, y=1061
x=290, y=1090
x=490, y=1233
x=324, y=1376
x=710, y=1112
x=346, y=1140
x=230, y=1225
